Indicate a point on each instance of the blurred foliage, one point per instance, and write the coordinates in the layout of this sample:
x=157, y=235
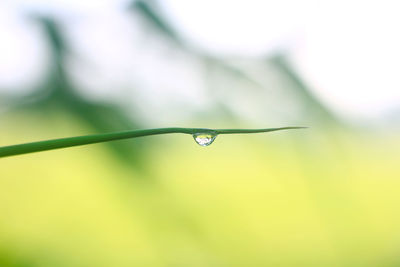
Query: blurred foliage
x=58, y=93
x=296, y=88
x=315, y=109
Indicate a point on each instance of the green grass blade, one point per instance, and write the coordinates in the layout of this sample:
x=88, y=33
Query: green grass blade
x=19, y=149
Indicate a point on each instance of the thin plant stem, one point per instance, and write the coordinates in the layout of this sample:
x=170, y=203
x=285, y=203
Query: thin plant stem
x=26, y=148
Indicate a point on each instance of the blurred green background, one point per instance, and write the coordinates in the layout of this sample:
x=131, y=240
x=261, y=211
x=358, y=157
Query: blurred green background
x=325, y=196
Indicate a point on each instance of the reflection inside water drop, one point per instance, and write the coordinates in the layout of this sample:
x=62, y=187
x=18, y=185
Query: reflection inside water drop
x=204, y=139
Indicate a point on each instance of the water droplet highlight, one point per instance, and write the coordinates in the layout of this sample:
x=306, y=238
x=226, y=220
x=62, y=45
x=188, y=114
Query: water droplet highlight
x=204, y=139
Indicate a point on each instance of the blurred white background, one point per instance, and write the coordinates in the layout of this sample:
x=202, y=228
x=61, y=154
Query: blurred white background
x=347, y=51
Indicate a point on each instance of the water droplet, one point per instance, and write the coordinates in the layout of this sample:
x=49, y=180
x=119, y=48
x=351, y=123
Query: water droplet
x=204, y=139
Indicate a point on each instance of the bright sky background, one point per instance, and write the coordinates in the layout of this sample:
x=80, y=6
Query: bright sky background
x=348, y=50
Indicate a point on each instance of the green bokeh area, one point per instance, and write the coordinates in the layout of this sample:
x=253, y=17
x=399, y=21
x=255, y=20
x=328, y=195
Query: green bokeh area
x=279, y=200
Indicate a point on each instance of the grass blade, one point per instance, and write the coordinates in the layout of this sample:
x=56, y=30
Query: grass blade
x=26, y=148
